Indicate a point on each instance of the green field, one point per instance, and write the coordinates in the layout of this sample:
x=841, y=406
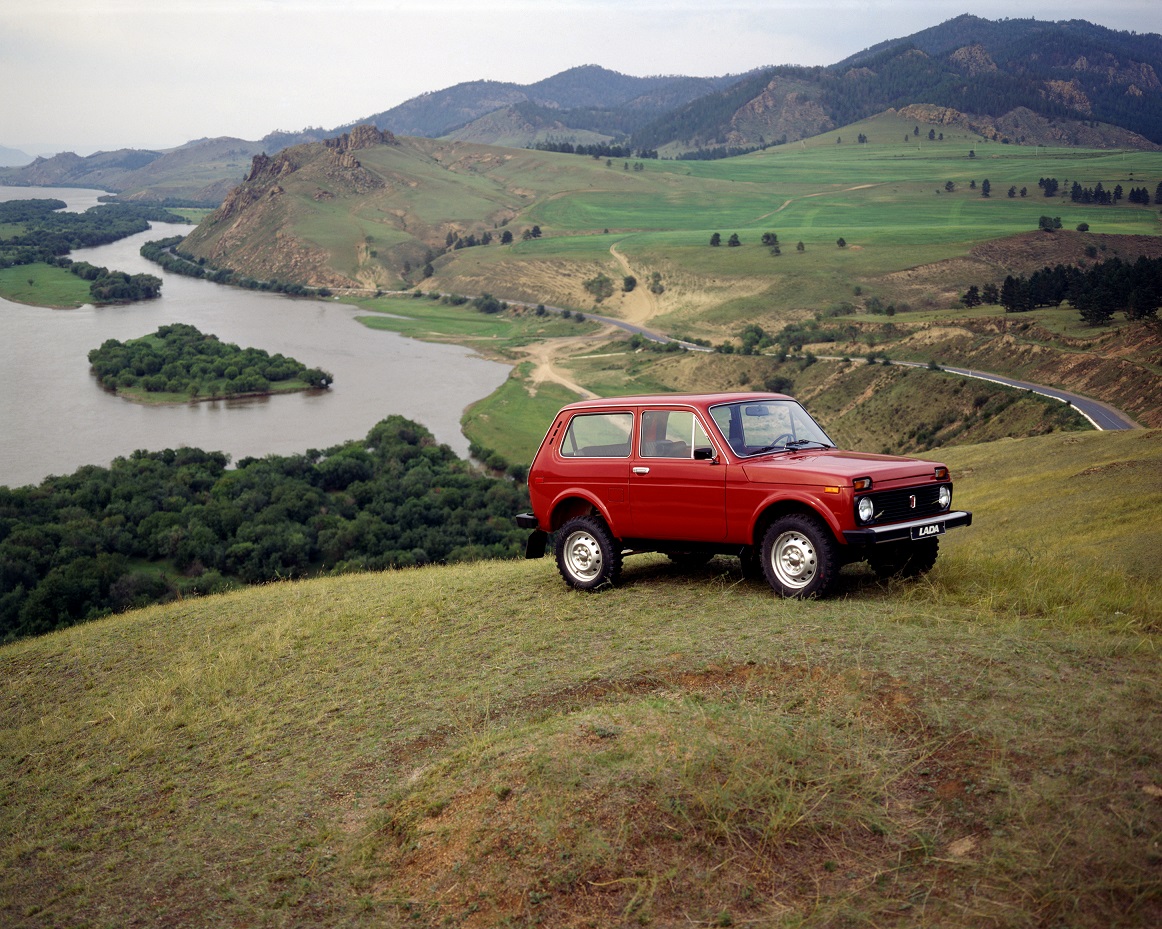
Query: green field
x=435, y=320
x=477, y=745
x=43, y=285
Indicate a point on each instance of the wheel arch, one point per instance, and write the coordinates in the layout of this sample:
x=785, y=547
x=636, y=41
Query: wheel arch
x=573, y=505
x=776, y=509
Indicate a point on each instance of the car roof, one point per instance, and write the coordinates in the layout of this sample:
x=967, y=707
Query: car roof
x=701, y=400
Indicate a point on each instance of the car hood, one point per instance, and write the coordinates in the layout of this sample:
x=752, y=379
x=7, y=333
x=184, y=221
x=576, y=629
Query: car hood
x=830, y=466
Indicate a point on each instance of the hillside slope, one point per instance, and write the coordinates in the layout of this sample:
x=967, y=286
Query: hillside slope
x=475, y=745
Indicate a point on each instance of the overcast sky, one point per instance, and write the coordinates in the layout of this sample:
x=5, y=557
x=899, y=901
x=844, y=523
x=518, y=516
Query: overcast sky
x=88, y=75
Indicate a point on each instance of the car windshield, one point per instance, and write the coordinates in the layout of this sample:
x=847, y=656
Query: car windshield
x=756, y=427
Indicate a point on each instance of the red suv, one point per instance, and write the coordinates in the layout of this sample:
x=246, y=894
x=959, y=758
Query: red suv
x=744, y=474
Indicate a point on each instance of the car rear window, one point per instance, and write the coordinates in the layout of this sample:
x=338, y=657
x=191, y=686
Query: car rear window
x=598, y=435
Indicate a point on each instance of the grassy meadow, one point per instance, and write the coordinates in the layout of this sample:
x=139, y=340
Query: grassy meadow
x=43, y=285
x=479, y=746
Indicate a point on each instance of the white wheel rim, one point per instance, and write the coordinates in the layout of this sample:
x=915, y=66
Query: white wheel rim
x=794, y=560
x=583, y=556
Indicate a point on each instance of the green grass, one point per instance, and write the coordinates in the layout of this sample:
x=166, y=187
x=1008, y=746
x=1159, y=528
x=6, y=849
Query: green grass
x=514, y=418
x=43, y=285
x=477, y=745
x=433, y=320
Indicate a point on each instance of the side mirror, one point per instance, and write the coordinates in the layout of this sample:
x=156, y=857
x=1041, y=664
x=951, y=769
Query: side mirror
x=704, y=453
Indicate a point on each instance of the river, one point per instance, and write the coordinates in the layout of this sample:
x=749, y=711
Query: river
x=55, y=418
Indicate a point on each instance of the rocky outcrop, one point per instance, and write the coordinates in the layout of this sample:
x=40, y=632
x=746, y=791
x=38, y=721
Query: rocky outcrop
x=360, y=137
x=973, y=60
x=1024, y=127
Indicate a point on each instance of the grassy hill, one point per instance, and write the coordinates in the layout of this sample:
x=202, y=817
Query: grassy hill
x=479, y=746
x=374, y=223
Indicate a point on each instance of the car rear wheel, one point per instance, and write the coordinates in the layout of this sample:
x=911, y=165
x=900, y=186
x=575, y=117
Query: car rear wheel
x=798, y=556
x=587, y=555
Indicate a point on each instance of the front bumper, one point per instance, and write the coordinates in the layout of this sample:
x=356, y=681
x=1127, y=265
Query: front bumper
x=909, y=531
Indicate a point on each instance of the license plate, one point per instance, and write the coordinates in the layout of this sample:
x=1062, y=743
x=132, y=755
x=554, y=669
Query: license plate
x=925, y=532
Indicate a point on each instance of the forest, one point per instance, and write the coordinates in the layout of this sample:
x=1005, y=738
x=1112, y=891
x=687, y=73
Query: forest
x=155, y=526
x=180, y=359
x=1097, y=292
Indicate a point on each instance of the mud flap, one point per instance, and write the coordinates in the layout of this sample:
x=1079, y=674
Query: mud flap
x=536, y=544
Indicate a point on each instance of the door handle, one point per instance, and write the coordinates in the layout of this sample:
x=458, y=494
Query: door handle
x=640, y=470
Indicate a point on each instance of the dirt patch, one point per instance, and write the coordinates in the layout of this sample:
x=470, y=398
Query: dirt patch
x=730, y=795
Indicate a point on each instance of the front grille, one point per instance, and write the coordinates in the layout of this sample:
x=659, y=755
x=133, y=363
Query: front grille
x=893, y=506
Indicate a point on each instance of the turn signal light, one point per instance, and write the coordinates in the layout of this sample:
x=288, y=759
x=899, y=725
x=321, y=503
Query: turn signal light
x=862, y=483
x=941, y=474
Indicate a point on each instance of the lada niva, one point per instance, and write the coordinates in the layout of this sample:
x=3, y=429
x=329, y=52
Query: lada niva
x=744, y=474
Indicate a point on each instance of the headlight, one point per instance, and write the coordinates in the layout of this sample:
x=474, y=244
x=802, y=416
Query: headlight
x=944, y=497
x=866, y=509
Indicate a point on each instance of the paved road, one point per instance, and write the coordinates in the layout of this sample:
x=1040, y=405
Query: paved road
x=1102, y=415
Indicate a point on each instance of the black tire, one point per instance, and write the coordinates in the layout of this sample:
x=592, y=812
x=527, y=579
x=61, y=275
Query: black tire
x=798, y=557
x=904, y=559
x=588, y=557
x=690, y=559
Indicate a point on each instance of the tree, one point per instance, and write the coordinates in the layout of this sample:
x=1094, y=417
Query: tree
x=1049, y=223
x=800, y=247
x=628, y=283
x=841, y=242
x=716, y=240
x=1013, y=192
x=985, y=188
x=949, y=186
x=971, y=297
x=971, y=153
x=733, y=241
x=506, y=237
x=931, y=135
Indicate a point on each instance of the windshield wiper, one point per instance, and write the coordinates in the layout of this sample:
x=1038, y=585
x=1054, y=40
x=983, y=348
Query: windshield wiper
x=799, y=443
x=793, y=445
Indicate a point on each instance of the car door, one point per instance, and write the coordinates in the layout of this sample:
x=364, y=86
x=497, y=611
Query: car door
x=593, y=459
x=672, y=493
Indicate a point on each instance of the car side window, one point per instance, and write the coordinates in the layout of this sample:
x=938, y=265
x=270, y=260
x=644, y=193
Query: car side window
x=598, y=435
x=671, y=434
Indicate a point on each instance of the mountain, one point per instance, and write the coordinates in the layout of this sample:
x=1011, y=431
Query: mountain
x=584, y=89
x=13, y=157
x=1053, y=79
x=1067, y=82
x=201, y=172
x=1022, y=80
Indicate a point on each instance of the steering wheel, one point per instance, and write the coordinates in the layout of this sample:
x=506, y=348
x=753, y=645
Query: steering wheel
x=785, y=436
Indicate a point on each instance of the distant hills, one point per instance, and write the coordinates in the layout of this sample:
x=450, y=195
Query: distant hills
x=1018, y=80
x=13, y=157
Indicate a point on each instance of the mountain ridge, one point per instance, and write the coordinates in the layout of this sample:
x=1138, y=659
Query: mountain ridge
x=1067, y=82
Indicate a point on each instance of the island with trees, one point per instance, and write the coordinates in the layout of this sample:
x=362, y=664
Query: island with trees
x=38, y=231
x=178, y=364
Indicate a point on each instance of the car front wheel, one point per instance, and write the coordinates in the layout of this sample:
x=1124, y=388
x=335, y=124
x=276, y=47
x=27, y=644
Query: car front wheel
x=798, y=556
x=587, y=555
